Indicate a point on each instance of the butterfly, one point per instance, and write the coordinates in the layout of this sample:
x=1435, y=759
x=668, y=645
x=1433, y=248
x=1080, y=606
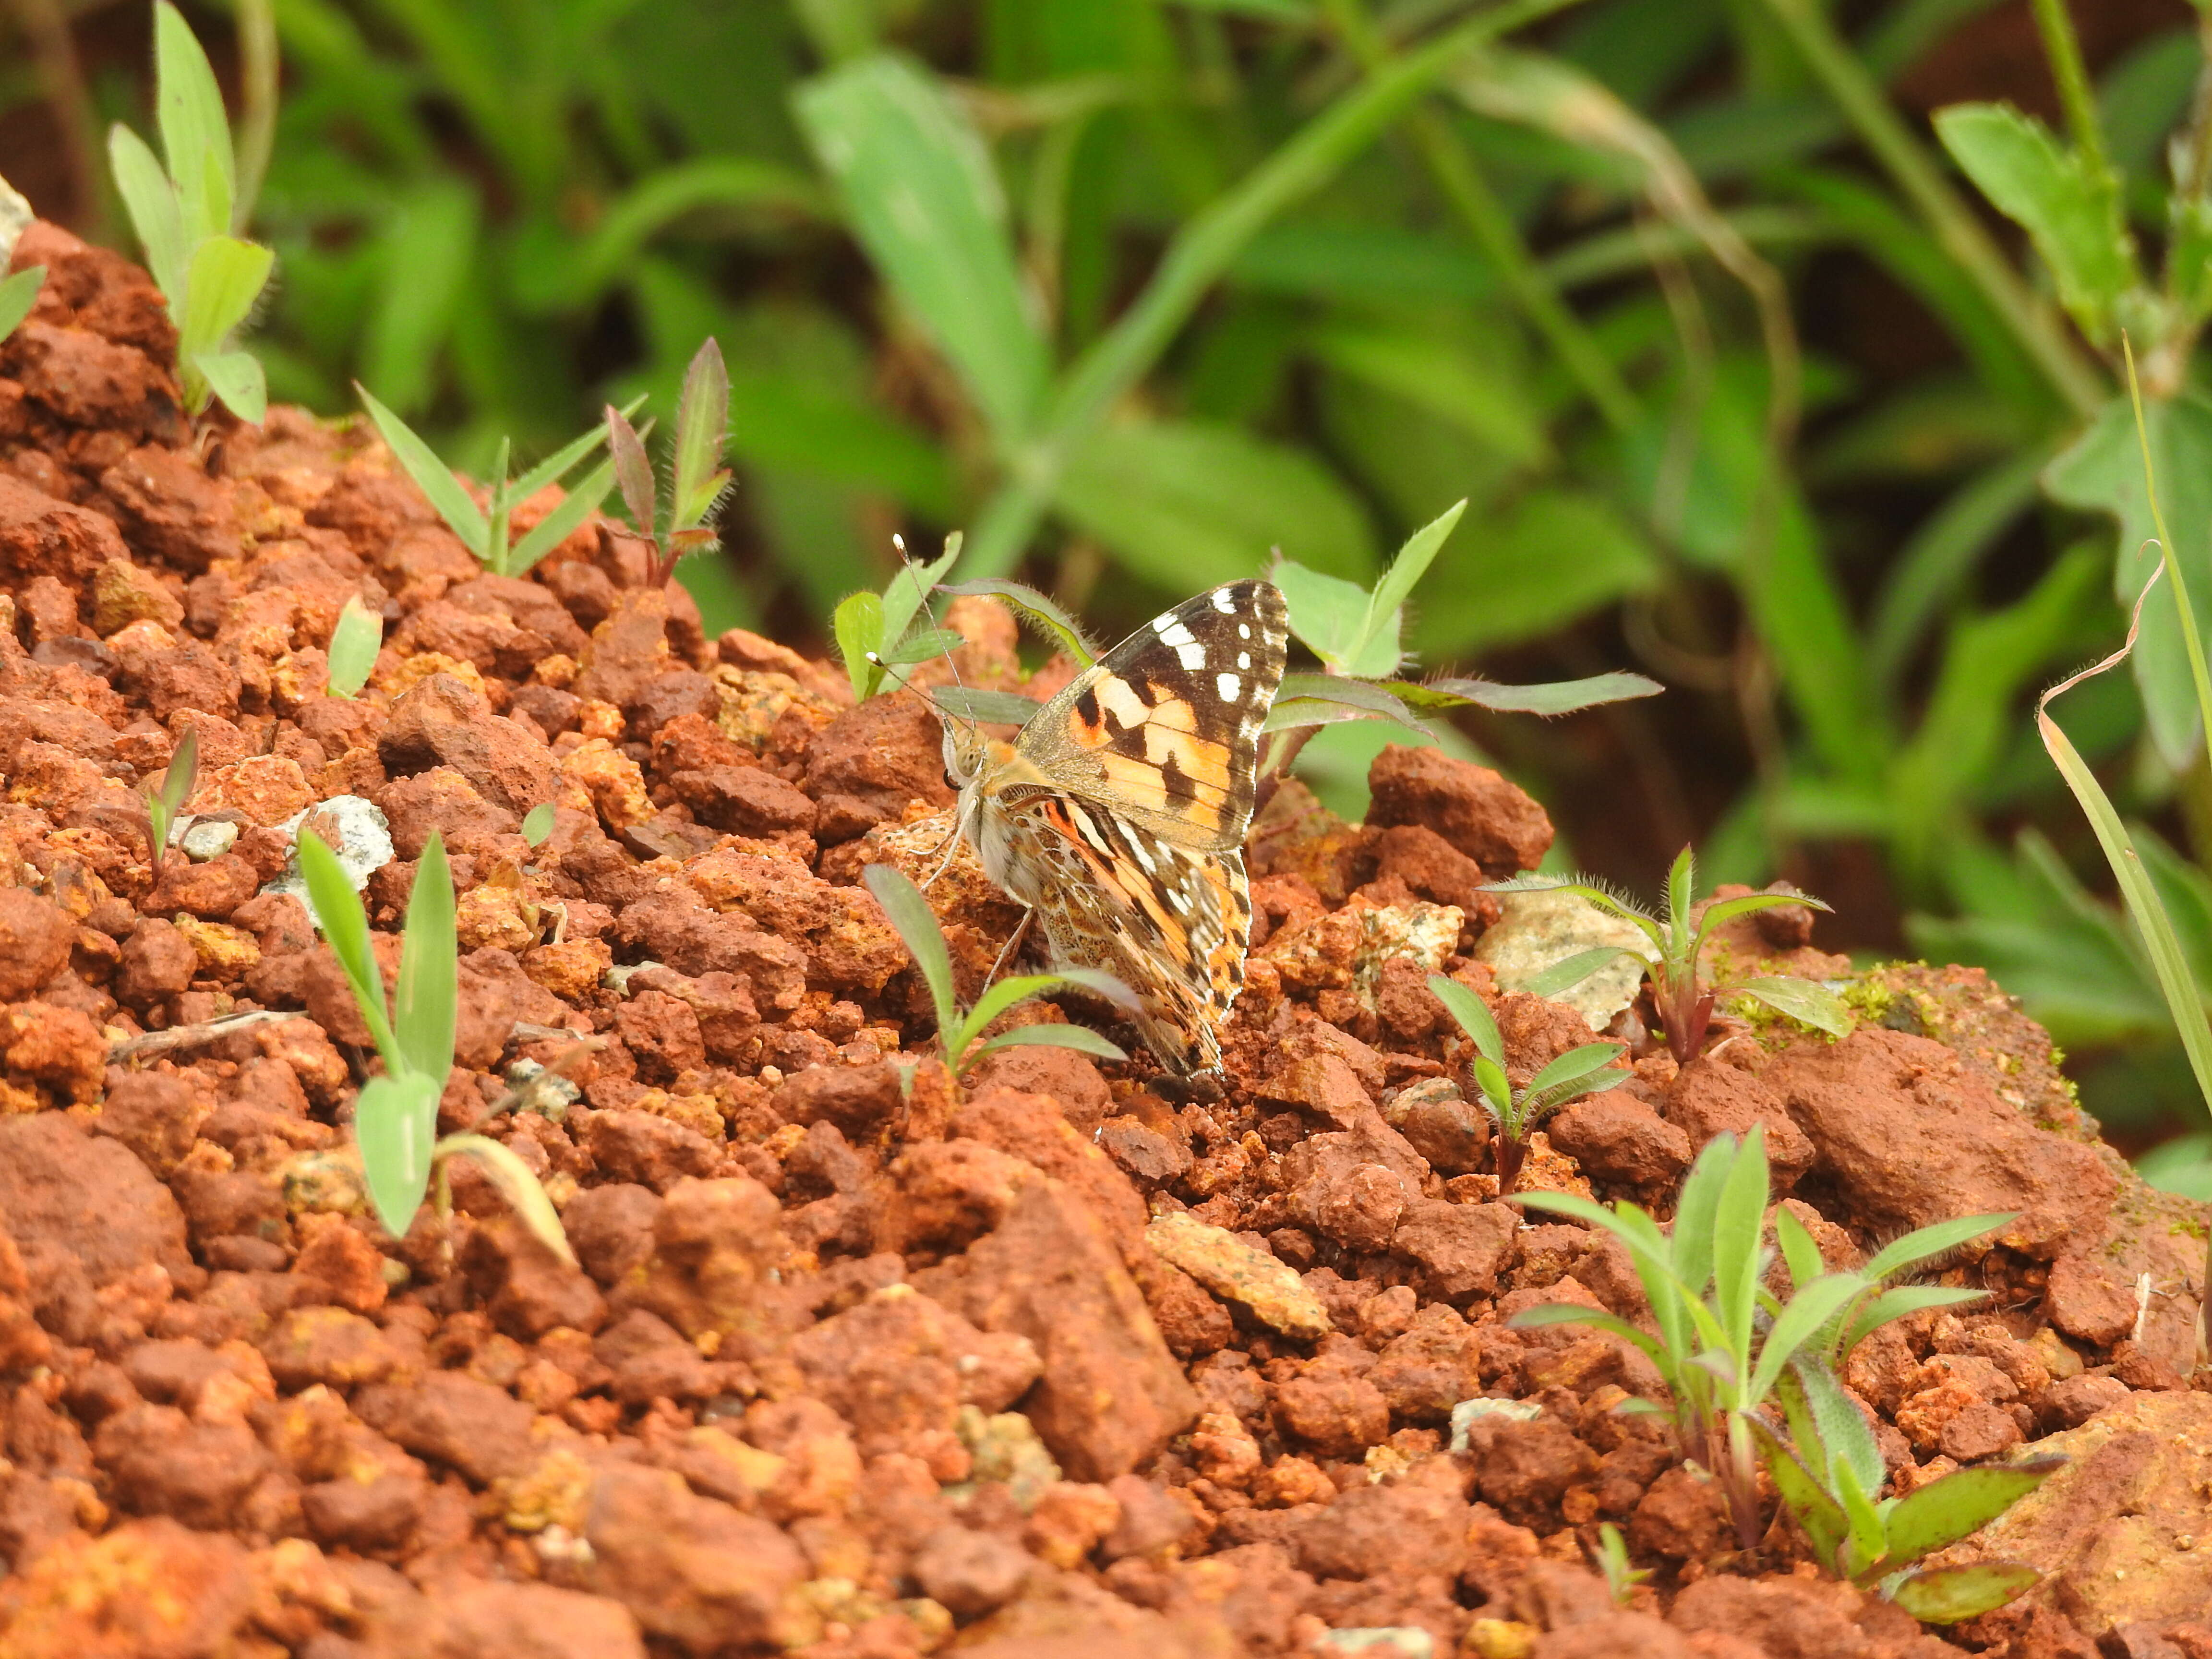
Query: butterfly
x=1117, y=815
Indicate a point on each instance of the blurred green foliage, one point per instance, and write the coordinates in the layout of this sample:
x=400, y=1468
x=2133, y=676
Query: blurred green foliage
x=1745, y=379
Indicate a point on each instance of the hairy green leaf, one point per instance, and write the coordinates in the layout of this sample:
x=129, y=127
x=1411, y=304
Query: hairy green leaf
x=907, y=592
x=1379, y=651
x=1473, y=1015
x=1327, y=699
x=1328, y=615
x=924, y=646
x=1801, y=1492
x=633, y=470
x=1938, y=1515
x=702, y=424
x=1922, y=1244
x=225, y=278
x=1944, y=1596
x=1571, y=971
x=1038, y=609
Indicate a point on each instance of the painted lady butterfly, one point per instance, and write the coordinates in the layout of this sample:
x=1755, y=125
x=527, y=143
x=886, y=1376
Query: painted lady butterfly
x=1118, y=813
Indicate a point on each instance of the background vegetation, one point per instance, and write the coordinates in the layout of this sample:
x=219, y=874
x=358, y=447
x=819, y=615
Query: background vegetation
x=1749, y=383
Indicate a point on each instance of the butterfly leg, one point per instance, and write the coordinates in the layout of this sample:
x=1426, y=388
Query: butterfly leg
x=1012, y=945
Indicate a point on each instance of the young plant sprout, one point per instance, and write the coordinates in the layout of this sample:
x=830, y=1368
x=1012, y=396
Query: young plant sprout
x=1723, y=1341
x=1671, y=958
x=697, y=477
x=186, y=215
x=1359, y=635
x=485, y=534
x=1611, y=1554
x=956, y=1033
x=1828, y=1472
x=354, y=644
x=18, y=293
x=871, y=629
x=395, y=1119
x=165, y=799
x=1515, y=1113
x=538, y=824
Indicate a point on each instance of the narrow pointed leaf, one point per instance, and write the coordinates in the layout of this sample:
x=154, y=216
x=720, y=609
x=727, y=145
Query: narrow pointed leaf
x=339, y=912
x=1576, y=1066
x=182, y=772
x=518, y=1185
x=1081, y=1038
x=1905, y=1299
x=427, y=1005
x=565, y=460
x=1804, y=1001
x=431, y=475
x=151, y=201
x=1799, y=1252
x=916, y=924
x=908, y=589
x=1694, y=1207
x=1038, y=609
x=1959, y=1504
x=1812, y=1507
x=1557, y=697
x=1472, y=1014
x=195, y=128
x=703, y=421
x=924, y=646
x=1923, y=1243
x=1571, y=971
x=550, y=532
x=1331, y=699
x=1800, y=1321
x=1378, y=649
x=632, y=470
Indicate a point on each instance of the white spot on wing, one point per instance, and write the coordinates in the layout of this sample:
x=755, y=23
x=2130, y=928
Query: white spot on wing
x=1243, y=630
x=1224, y=601
x=1192, y=655
x=1244, y=659
x=1229, y=685
x=1175, y=633
x=1163, y=621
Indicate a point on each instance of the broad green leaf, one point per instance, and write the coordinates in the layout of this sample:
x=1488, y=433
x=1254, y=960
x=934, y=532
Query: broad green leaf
x=1081, y=1038
x=702, y=423
x=1558, y=698
x=395, y=1122
x=2070, y=212
x=1028, y=602
x=1938, y=1515
x=1188, y=504
x=1901, y=1254
x=549, y=532
x=353, y=644
x=1327, y=614
x=1571, y=971
x=537, y=822
x=517, y=1184
x=431, y=475
x=426, y=1004
x=194, y=130
x=1326, y=699
x=18, y=293
x=858, y=623
x=1944, y=1596
x=1473, y=1015
x=1803, y=999
x=633, y=470
x=916, y=924
x=988, y=707
x=918, y=185
x=338, y=911
x=151, y=201
x=1799, y=1252
x=237, y=378
x=1386, y=605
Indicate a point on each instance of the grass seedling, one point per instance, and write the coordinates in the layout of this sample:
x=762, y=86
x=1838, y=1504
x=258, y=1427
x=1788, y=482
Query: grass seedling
x=355, y=643
x=956, y=1033
x=1515, y=1113
x=1611, y=1555
x=395, y=1119
x=1828, y=1480
x=697, y=475
x=18, y=293
x=165, y=799
x=1723, y=1340
x=485, y=534
x=1671, y=958
x=874, y=631
x=186, y=214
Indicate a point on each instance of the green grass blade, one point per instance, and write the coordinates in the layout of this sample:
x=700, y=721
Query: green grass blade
x=1739, y=1216
x=1800, y=1321
x=1472, y=1014
x=1917, y=1246
x=339, y=912
x=395, y=1121
x=428, y=1005
x=151, y=201
x=564, y=461
x=916, y=924
x=1571, y=971
x=550, y=532
x=1903, y=1300
x=1081, y=1038
x=1575, y=1066
x=1799, y=1252
x=1552, y=697
x=1692, y=1245
x=431, y=475
x=195, y=128
x=517, y=1184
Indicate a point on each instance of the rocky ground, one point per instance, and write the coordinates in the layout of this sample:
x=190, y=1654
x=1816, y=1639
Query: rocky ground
x=1063, y=1362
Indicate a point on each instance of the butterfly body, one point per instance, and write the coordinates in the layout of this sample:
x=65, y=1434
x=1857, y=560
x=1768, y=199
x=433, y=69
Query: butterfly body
x=1118, y=814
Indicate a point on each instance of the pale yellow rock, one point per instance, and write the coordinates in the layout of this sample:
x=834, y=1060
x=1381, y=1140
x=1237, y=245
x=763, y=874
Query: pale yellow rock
x=1232, y=1269
x=1539, y=929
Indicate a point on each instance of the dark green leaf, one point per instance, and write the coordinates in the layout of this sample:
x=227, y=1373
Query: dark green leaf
x=917, y=923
